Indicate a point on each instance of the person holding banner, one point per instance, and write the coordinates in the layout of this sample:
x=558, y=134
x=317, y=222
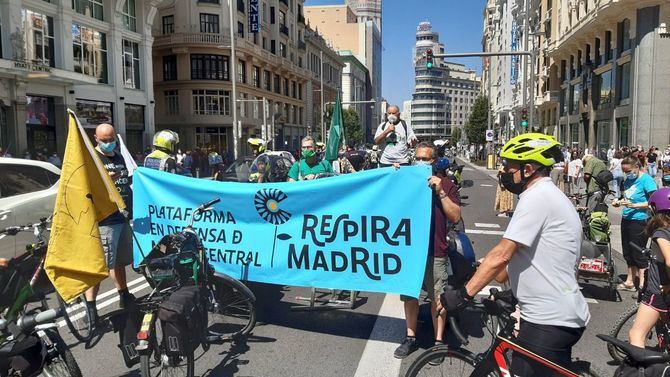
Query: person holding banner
x=539, y=249
x=309, y=165
x=397, y=137
x=115, y=232
x=445, y=209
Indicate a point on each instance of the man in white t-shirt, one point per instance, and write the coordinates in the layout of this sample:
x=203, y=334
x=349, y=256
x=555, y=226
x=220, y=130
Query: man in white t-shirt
x=540, y=250
x=397, y=137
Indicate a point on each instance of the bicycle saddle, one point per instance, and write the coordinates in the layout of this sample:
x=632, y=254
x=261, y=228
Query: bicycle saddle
x=639, y=356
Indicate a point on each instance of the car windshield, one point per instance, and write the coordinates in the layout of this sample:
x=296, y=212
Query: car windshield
x=237, y=166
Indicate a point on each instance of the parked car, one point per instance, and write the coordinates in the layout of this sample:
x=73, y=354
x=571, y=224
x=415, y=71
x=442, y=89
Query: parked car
x=238, y=171
x=27, y=193
x=271, y=166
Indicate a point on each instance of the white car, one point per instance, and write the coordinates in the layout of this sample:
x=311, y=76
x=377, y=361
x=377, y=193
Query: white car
x=27, y=193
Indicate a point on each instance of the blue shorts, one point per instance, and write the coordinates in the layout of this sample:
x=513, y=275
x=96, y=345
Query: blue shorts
x=117, y=243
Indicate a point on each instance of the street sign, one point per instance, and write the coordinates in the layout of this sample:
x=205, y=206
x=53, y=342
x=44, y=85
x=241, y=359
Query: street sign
x=489, y=135
x=254, y=20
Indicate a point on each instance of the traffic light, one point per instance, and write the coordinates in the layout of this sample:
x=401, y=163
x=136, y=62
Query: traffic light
x=524, y=117
x=429, y=59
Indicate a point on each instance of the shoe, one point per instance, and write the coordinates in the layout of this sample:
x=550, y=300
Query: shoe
x=439, y=360
x=626, y=287
x=407, y=347
x=125, y=300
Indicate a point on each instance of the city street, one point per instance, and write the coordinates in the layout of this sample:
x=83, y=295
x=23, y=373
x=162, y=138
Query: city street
x=358, y=342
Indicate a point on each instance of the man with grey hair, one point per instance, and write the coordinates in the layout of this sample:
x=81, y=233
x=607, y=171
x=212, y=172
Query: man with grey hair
x=309, y=165
x=397, y=137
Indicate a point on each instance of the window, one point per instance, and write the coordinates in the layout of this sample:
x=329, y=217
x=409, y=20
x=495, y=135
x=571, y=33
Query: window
x=131, y=64
x=168, y=24
x=608, y=46
x=91, y=8
x=294, y=89
x=622, y=130
x=282, y=49
x=624, y=36
x=241, y=72
x=624, y=83
x=286, y=87
x=209, y=67
x=264, y=11
x=209, y=1
x=299, y=91
x=169, y=67
x=272, y=15
x=282, y=18
x=24, y=179
x=273, y=48
x=209, y=23
x=240, y=30
x=576, y=96
x=277, y=84
x=89, y=52
x=39, y=38
x=574, y=132
x=257, y=77
x=128, y=13
x=211, y=102
x=240, y=6
x=605, y=82
x=172, y=102
x=264, y=43
x=267, y=78
x=93, y=113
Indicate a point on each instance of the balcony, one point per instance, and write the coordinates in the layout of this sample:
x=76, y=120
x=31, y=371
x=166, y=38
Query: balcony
x=551, y=96
x=171, y=40
x=301, y=19
x=283, y=29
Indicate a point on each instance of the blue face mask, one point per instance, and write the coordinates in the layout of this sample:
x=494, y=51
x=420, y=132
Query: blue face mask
x=631, y=176
x=107, y=147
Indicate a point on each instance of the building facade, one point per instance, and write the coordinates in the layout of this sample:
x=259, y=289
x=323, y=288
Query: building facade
x=93, y=57
x=444, y=94
x=276, y=69
x=356, y=27
x=354, y=88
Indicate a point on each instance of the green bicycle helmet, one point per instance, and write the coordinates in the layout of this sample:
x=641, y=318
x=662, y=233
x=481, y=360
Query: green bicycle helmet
x=533, y=147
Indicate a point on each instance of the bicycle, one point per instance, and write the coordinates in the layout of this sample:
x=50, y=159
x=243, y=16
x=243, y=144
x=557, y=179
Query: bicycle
x=445, y=360
x=658, y=338
x=230, y=305
x=80, y=324
x=49, y=354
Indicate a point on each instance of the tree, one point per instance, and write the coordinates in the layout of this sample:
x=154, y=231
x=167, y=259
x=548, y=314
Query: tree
x=475, y=128
x=455, y=135
x=352, y=123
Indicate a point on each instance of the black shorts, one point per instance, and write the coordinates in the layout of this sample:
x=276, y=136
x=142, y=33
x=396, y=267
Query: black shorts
x=633, y=231
x=657, y=302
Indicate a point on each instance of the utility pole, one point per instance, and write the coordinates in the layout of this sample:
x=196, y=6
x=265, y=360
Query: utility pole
x=323, y=126
x=526, y=32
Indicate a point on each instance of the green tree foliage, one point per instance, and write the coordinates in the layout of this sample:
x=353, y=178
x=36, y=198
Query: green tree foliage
x=475, y=128
x=353, y=130
x=455, y=135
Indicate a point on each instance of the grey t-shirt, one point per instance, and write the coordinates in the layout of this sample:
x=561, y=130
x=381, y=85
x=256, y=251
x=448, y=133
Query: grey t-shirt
x=543, y=270
x=398, y=151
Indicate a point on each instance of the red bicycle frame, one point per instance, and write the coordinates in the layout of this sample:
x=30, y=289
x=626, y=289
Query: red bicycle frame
x=504, y=345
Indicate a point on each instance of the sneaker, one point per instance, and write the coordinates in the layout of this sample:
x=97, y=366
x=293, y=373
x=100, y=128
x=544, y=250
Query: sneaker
x=407, y=347
x=439, y=360
x=125, y=300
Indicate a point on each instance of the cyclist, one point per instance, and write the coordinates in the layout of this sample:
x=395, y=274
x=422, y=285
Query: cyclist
x=654, y=293
x=309, y=165
x=539, y=249
x=162, y=158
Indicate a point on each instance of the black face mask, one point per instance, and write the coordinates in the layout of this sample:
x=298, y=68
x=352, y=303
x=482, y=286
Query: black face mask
x=507, y=181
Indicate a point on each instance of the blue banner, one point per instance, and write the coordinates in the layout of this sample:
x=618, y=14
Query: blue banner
x=367, y=231
x=514, y=74
x=254, y=19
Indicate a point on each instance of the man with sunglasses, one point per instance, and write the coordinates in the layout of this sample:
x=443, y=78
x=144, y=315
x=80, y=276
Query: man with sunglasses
x=540, y=249
x=397, y=137
x=446, y=210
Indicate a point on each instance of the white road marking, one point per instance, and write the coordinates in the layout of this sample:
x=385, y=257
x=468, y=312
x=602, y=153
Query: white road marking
x=591, y=301
x=103, y=304
x=487, y=225
x=483, y=185
x=468, y=169
x=377, y=358
x=489, y=232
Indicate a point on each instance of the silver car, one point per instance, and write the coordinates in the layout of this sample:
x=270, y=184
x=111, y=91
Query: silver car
x=27, y=193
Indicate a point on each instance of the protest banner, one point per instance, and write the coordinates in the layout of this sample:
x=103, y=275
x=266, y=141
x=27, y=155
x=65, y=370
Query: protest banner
x=367, y=231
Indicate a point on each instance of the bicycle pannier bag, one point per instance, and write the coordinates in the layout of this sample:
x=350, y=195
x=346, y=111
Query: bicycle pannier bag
x=461, y=257
x=182, y=320
x=656, y=370
x=127, y=323
x=599, y=227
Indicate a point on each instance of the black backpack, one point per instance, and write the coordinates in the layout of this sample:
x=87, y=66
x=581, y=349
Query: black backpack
x=404, y=126
x=183, y=321
x=655, y=370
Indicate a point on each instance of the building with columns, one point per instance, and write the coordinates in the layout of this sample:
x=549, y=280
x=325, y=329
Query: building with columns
x=354, y=88
x=278, y=66
x=92, y=56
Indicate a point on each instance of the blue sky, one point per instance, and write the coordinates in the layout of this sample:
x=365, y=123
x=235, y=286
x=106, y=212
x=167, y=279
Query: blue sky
x=459, y=23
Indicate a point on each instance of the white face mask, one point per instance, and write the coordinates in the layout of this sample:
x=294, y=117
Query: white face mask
x=393, y=119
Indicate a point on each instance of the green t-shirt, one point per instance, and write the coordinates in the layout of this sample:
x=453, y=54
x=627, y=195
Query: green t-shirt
x=301, y=169
x=594, y=166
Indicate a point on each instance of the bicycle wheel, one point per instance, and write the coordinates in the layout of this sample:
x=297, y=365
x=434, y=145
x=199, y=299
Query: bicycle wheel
x=231, y=309
x=444, y=362
x=620, y=331
x=157, y=363
x=585, y=369
x=60, y=363
x=77, y=318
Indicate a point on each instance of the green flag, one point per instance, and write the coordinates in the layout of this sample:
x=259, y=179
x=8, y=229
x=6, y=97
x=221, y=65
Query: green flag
x=336, y=133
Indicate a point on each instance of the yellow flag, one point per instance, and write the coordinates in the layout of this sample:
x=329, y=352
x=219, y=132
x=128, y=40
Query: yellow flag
x=86, y=195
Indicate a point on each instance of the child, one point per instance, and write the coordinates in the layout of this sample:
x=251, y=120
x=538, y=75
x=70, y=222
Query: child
x=654, y=293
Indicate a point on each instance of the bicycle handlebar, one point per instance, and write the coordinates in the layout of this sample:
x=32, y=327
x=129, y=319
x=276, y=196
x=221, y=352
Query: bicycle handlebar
x=14, y=230
x=457, y=330
x=201, y=208
x=27, y=323
x=645, y=251
x=210, y=203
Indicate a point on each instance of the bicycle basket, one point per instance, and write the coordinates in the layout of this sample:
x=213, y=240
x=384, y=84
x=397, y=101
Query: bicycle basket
x=172, y=261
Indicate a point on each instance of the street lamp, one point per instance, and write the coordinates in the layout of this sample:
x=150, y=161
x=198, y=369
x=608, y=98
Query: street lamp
x=237, y=130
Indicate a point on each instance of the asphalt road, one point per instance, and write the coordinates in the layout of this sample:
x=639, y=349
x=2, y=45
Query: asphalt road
x=357, y=342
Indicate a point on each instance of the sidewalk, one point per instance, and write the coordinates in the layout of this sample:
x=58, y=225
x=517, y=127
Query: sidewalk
x=614, y=214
